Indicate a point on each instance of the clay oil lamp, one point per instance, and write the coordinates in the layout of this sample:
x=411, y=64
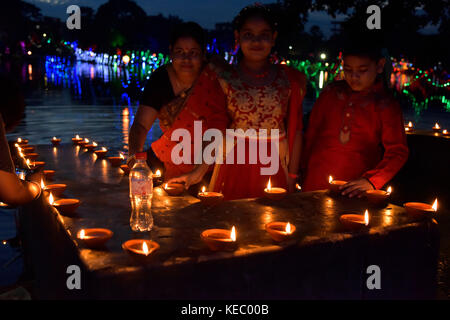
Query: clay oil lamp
x=116, y=161
x=420, y=210
x=220, y=239
x=27, y=149
x=378, y=197
x=32, y=156
x=56, y=189
x=409, y=127
x=274, y=193
x=210, y=198
x=436, y=127
x=335, y=184
x=91, y=146
x=55, y=141
x=94, y=237
x=174, y=189
x=445, y=132
x=35, y=164
x=77, y=140
x=101, y=153
x=140, y=248
x=66, y=207
x=157, y=178
x=49, y=174
x=3, y=205
x=22, y=142
x=280, y=231
x=84, y=142
x=355, y=222
x=125, y=169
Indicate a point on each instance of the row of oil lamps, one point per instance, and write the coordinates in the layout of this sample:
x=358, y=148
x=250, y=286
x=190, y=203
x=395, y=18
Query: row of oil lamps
x=216, y=239
x=436, y=128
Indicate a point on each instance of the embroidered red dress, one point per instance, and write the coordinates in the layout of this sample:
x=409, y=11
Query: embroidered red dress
x=275, y=105
x=352, y=135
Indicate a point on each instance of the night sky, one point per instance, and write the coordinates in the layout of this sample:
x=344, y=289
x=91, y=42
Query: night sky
x=206, y=12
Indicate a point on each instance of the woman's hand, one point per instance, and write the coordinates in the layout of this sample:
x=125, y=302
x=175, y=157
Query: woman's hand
x=356, y=187
x=191, y=178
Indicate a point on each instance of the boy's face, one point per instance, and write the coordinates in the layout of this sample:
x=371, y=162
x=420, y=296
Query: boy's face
x=361, y=72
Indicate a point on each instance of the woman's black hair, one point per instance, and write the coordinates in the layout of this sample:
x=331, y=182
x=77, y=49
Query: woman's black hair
x=12, y=106
x=254, y=11
x=189, y=30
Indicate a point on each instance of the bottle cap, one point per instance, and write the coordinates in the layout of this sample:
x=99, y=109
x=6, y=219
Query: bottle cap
x=141, y=156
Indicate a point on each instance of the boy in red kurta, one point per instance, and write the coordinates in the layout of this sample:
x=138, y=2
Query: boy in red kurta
x=355, y=130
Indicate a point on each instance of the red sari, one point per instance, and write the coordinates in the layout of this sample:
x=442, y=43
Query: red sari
x=277, y=105
x=205, y=102
x=352, y=135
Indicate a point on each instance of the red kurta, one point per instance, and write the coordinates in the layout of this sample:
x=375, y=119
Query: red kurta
x=352, y=135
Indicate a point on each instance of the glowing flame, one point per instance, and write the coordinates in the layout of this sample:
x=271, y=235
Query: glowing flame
x=21, y=154
x=54, y=138
x=165, y=186
x=435, y=205
x=330, y=179
x=288, y=228
x=389, y=190
x=445, y=131
x=366, y=218
x=51, y=200
x=158, y=173
x=233, y=234
x=82, y=234
x=145, y=248
x=410, y=125
x=94, y=144
x=436, y=126
x=28, y=162
x=104, y=149
x=122, y=157
x=297, y=186
x=19, y=140
x=42, y=184
x=86, y=140
x=77, y=137
x=269, y=185
x=407, y=129
x=16, y=145
x=203, y=189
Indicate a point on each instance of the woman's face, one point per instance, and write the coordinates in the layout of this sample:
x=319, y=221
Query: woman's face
x=256, y=39
x=361, y=72
x=187, y=57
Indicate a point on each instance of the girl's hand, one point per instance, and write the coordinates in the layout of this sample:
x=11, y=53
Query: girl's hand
x=356, y=187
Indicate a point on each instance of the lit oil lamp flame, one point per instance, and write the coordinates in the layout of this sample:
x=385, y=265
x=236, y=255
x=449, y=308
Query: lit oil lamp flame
x=21, y=154
x=366, y=218
x=82, y=234
x=86, y=140
x=233, y=234
x=77, y=137
x=145, y=248
x=158, y=173
x=298, y=187
x=269, y=185
x=407, y=129
x=445, y=131
x=104, y=149
x=288, y=228
x=330, y=179
x=389, y=190
x=28, y=162
x=94, y=144
x=435, y=205
x=203, y=189
x=54, y=138
x=121, y=156
x=410, y=125
x=51, y=200
x=165, y=186
x=17, y=146
x=42, y=184
x=19, y=140
x=436, y=126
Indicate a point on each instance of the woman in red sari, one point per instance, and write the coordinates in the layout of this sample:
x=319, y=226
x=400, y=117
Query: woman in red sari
x=355, y=131
x=260, y=95
x=178, y=94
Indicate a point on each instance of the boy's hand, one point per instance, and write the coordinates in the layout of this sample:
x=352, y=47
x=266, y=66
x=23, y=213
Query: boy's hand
x=356, y=188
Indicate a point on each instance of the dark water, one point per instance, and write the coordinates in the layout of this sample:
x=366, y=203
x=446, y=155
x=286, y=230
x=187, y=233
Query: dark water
x=99, y=102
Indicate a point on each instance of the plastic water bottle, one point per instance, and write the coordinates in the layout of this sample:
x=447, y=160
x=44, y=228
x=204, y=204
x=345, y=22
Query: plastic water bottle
x=141, y=194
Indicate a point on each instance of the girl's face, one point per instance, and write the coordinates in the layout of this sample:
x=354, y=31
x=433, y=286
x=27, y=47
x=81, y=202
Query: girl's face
x=361, y=72
x=187, y=57
x=256, y=39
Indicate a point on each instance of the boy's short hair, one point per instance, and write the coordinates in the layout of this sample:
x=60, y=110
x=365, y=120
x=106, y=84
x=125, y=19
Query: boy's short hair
x=364, y=44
